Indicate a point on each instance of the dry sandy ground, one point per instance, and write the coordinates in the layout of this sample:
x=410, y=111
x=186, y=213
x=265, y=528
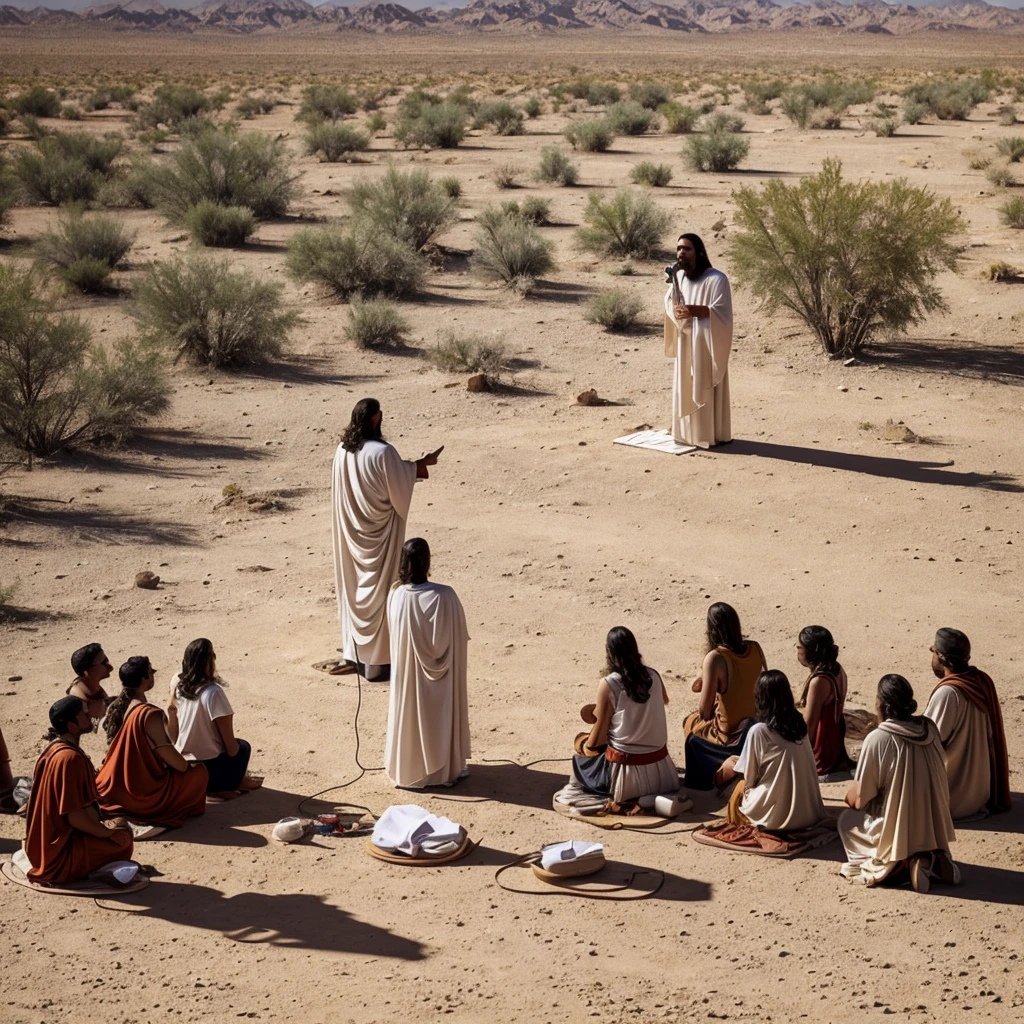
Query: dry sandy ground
x=551, y=535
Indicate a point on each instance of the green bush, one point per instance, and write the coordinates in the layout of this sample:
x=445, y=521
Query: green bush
x=71, y=112
x=649, y=173
x=556, y=167
x=406, y=205
x=204, y=311
x=1001, y=175
x=600, y=94
x=97, y=154
x=433, y=125
x=224, y=227
x=326, y=103
x=592, y=136
x=832, y=231
x=1012, y=148
x=364, y=261
x=376, y=123
x=649, y=94
x=8, y=189
x=84, y=249
x=715, y=151
x=757, y=95
x=57, y=388
x=133, y=187
x=376, y=323
x=627, y=224
x=500, y=115
x=722, y=122
x=532, y=107
x=472, y=353
x=252, y=170
x=614, y=309
x=630, y=118
x=1012, y=212
x=507, y=175
x=5, y=121
x=511, y=250
x=98, y=100
x=249, y=106
x=37, y=101
x=914, y=112
x=679, y=119
x=451, y=186
x=535, y=209
x=333, y=142
x=883, y=127
x=950, y=99
x=171, y=105
x=49, y=177
x=1007, y=114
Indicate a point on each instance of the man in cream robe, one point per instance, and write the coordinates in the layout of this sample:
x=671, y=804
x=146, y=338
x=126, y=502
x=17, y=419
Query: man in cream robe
x=371, y=491
x=428, y=714
x=698, y=335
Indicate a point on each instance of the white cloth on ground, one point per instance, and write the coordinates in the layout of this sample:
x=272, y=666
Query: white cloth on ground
x=573, y=849
x=371, y=491
x=966, y=734
x=781, y=782
x=701, y=413
x=409, y=829
x=428, y=740
x=198, y=738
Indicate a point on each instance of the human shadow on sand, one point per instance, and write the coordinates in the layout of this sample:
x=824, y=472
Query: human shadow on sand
x=287, y=920
x=1010, y=822
x=914, y=471
x=505, y=784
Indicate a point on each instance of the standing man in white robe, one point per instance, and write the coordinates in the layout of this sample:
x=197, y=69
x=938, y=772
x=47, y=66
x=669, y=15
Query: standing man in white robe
x=698, y=335
x=371, y=491
x=428, y=714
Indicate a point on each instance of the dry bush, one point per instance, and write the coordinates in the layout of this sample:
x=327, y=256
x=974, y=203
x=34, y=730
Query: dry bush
x=506, y=175
x=326, y=103
x=1001, y=271
x=534, y=210
x=430, y=125
x=1007, y=114
x=679, y=119
x=883, y=127
x=171, y=106
x=950, y=99
x=649, y=94
x=500, y=115
x=630, y=118
x=556, y=167
x=222, y=227
x=627, y=224
x=470, y=353
x=1001, y=175
x=614, y=309
x=715, y=151
x=649, y=173
x=333, y=142
x=1012, y=212
x=376, y=323
x=37, y=101
x=977, y=159
x=591, y=136
x=511, y=250
x=1011, y=147
x=407, y=205
x=85, y=249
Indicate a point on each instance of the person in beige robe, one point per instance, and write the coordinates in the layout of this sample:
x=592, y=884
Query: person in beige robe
x=698, y=336
x=371, y=491
x=898, y=816
x=428, y=712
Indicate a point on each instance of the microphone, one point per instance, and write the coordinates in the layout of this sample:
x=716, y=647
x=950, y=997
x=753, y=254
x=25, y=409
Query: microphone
x=670, y=272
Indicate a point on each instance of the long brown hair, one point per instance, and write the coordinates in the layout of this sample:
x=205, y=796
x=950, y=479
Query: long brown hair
x=132, y=673
x=195, y=668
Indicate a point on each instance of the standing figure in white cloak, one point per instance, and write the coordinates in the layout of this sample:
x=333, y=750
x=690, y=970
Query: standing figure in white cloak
x=371, y=490
x=428, y=715
x=898, y=822
x=698, y=335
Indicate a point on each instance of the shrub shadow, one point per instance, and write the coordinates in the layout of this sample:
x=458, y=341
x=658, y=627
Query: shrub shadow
x=974, y=362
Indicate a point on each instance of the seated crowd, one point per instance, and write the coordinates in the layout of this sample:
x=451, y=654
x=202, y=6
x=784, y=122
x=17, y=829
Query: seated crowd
x=915, y=773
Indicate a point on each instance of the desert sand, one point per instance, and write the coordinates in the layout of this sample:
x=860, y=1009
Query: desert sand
x=551, y=535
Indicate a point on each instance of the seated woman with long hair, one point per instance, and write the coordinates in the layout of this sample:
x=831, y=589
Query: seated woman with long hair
x=201, y=723
x=624, y=756
x=718, y=727
x=778, y=790
x=823, y=700
x=143, y=778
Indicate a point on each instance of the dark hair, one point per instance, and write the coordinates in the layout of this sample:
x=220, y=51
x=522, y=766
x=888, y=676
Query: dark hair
x=702, y=262
x=821, y=652
x=773, y=705
x=360, y=427
x=132, y=674
x=723, y=629
x=896, y=698
x=83, y=658
x=624, y=658
x=62, y=714
x=195, y=666
x=953, y=648
x=414, y=564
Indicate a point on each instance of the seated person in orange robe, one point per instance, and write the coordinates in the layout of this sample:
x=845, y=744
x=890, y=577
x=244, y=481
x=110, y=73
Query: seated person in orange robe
x=66, y=838
x=91, y=667
x=143, y=777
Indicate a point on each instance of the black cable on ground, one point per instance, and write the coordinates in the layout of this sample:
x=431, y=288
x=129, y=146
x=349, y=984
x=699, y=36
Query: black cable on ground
x=590, y=894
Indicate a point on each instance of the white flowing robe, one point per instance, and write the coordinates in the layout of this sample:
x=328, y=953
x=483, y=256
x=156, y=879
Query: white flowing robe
x=902, y=776
x=700, y=388
x=428, y=713
x=966, y=735
x=371, y=491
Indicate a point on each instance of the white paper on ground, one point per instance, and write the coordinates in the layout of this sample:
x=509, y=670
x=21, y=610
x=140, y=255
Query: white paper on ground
x=571, y=850
x=655, y=440
x=410, y=829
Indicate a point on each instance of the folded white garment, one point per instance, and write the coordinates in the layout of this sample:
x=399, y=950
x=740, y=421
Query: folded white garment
x=410, y=829
x=571, y=850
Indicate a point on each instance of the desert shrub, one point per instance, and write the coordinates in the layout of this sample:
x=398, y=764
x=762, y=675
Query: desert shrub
x=71, y=112
x=1001, y=175
x=364, y=261
x=679, y=119
x=225, y=227
x=193, y=127
x=33, y=127
x=1012, y=212
x=326, y=103
x=98, y=100
x=556, y=167
x=333, y=142
x=1012, y=148
x=883, y=127
x=627, y=224
x=914, y=112
x=9, y=188
x=249, y=106
x=535, y=210
x=376, y=323
x=1001, y=271
x=37, y=101
x=84, y=249
x=614, y=309
x=500, y=115
x=132, y=187
x=715, y=151
x=213, y=316
x=977, y=159
x=50, y=177
x=252, y=170
x=629, y=118
x=376, y=123
x=797, y=107
x=822, y=104
x=506, y=175
x=469, y=353
x=649, y=173
x=511, y=250
x=831, y=232
x=649, y=94
x=949, y=99
x=371, y=99
x=722, y=122
x=1007, y=114
x=435, y=125
x=97, y=154
x=592, y=136
x=757, y=95
x=122, y=94
x=532, y=107
x=171, y=105
x=451, y=186
x=5, y=121
x=407, y=205
x=601, y=94
x=56, y=387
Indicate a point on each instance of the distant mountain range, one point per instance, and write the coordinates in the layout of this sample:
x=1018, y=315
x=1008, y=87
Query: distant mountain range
x=693, y=16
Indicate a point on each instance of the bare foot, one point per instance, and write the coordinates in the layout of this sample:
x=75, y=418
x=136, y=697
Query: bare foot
x=250, y=782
